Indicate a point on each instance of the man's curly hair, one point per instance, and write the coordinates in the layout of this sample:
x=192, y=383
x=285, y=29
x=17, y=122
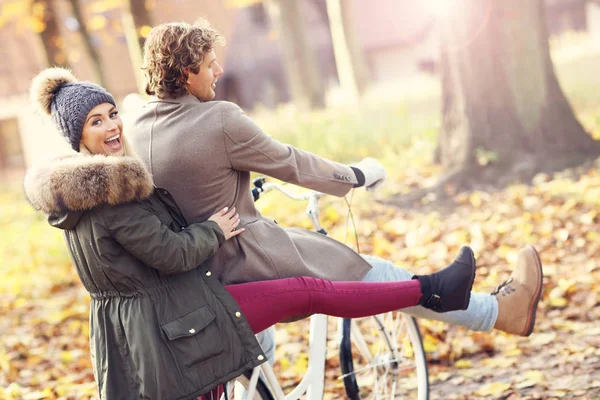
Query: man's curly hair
x=173, y=48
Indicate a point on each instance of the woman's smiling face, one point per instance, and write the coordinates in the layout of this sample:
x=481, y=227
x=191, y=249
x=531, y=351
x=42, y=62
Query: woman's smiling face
x=103, y=130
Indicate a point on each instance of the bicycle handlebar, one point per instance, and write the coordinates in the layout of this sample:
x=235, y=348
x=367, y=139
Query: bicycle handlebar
x=312, y=209
x=261, y=185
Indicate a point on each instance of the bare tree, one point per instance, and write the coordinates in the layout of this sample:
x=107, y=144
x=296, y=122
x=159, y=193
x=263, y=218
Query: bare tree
x=50, y=35
x=134, y=42
x=141, y=18
x=87, y=42
x=356, y=60
x=357, y=54
x=341, y=49
x=504, y=113
x=299, y=60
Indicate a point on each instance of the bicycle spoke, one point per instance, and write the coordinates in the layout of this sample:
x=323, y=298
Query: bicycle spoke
x=386, y=367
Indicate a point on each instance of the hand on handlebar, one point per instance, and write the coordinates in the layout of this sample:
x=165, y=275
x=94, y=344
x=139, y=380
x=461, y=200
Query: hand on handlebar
x=227, y=220
x=373, y=171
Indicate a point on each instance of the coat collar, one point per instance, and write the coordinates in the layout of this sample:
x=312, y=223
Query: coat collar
x=186, y=98
x=76, y=182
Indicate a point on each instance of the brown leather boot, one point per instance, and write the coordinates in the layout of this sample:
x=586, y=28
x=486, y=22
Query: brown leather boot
x=518, y=297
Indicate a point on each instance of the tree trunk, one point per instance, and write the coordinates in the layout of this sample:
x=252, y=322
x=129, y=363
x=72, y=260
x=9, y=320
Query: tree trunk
x=504, y=113
x=341, y=51
x=87, y=41
x=357, y=56
x=351, y=65
x=299, y=60
x=52, y=40
x=134, y=45
x=141, y=18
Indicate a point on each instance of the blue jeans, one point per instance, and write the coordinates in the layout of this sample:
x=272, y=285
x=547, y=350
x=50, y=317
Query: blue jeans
x=480, y=316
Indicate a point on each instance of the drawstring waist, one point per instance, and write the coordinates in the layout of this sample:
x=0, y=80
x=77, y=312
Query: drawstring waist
x=141, y=292
x=114, y=294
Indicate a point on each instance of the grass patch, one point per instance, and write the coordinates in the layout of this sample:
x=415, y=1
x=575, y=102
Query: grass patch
x=387, y=130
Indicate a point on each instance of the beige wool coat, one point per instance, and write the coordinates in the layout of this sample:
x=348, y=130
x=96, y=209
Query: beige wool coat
x=203, y=153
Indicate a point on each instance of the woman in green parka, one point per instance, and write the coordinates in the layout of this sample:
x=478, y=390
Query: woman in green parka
x=161, y=327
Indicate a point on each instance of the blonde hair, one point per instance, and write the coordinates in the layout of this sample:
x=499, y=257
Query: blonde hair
x=173, y=48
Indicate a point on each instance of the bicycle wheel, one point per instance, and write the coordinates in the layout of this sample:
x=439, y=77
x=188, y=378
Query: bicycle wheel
x=237, y=389
x=386, y=359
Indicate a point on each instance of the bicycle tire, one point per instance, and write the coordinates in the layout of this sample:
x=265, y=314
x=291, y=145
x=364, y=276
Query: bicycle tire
x=379, y=374
x=262, y=390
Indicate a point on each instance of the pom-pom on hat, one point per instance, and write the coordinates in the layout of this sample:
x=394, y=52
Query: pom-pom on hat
x=68, y=101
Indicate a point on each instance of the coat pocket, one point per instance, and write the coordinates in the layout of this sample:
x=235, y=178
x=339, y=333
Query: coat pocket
x=195, y=337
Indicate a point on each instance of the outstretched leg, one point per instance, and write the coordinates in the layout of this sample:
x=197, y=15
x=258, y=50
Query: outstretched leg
x=479, y=316
x=265, y=303
x=511, y=308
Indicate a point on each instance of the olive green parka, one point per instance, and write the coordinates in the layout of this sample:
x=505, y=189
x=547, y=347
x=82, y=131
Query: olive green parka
x=161, y=325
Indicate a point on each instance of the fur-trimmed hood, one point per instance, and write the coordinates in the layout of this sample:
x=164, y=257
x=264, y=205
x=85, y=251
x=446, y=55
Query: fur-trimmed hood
x=78, y=182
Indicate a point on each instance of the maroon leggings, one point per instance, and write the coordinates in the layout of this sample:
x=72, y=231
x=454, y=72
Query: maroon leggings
x=264, y=303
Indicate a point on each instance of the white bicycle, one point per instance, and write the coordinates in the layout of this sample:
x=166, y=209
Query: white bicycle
x=381, y=357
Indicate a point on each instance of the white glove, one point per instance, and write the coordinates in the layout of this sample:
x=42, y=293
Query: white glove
x=373, y=171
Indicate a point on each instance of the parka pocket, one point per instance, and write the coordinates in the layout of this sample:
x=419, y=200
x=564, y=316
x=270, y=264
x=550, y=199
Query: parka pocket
x=195, y=337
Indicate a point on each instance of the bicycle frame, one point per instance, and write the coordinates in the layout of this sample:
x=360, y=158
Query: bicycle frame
x=313, y=382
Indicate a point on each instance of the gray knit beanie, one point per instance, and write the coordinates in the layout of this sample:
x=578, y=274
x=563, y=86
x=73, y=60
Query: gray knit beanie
x=59, y=94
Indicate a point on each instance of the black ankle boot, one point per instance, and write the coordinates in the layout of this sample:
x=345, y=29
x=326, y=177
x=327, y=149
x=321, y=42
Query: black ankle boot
x=450, y=288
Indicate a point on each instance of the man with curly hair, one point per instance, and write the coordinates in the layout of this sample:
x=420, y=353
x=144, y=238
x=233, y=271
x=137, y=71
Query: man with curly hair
x=174, y=54
x=203, y=151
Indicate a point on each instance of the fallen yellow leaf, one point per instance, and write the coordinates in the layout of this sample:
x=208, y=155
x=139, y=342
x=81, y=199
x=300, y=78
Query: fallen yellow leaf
x=463, y=364
x=535, y=376
x=493, y=389
x=557, y=302
x=541, y=339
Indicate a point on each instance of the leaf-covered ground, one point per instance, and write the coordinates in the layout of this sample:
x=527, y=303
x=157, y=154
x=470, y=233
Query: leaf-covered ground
x=43, y=309
x=560, y=215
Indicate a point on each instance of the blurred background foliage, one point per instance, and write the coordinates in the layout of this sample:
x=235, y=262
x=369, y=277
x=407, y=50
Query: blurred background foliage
x=441, y=94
